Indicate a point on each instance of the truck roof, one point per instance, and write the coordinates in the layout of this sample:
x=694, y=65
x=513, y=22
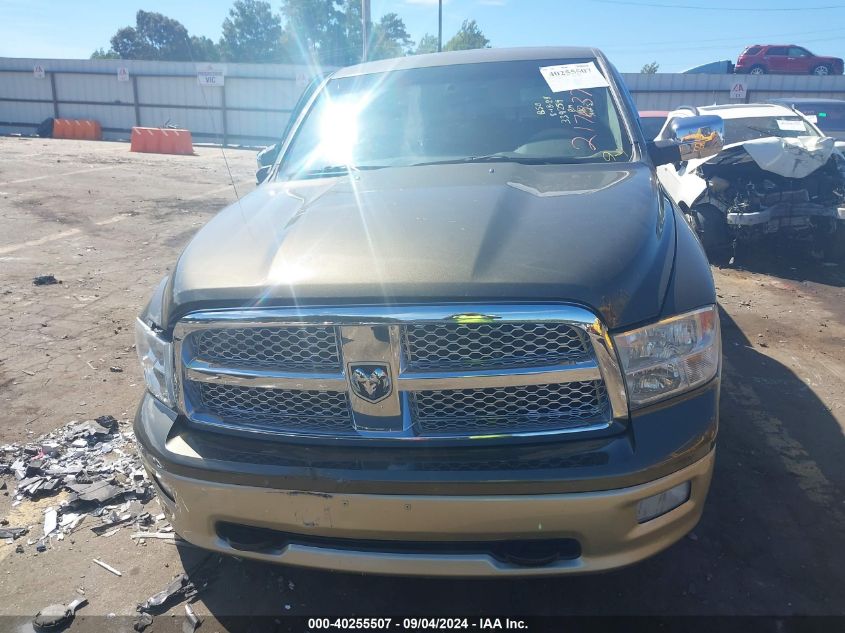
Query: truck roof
x=476, y=56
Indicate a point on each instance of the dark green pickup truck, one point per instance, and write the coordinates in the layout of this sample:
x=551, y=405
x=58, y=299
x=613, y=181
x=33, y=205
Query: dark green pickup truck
x=458, y=330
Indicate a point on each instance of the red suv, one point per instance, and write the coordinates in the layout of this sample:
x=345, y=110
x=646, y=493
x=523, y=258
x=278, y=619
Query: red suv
x=785, y=58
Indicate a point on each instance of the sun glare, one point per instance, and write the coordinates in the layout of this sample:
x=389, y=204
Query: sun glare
x=339, y=131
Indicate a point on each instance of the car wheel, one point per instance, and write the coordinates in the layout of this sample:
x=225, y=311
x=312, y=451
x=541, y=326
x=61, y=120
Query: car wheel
x=834, y=245
x=710, y=225
x=757, y=70
x=821, y=70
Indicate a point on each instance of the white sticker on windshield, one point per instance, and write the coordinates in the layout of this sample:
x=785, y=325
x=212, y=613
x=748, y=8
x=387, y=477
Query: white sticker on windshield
x=812, y=118
x=573, y=77
x=791, y=126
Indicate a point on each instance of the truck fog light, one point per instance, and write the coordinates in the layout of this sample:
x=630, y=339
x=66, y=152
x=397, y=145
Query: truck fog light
x=652, y=507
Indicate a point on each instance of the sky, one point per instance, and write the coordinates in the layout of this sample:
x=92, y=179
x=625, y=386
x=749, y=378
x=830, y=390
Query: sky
x=676, y=34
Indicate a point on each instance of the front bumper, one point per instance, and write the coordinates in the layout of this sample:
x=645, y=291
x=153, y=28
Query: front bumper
x=784, y=216
x=603, y=523
x=393, y=511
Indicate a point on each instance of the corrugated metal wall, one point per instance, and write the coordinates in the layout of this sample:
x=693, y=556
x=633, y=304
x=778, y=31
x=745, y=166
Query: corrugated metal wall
x=255, y=102
x=251, y=108
x=668, y=91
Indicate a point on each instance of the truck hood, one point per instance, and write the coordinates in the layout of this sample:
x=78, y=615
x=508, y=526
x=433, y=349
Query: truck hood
x=595, y=235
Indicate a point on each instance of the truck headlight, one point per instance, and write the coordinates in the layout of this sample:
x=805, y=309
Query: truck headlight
x=156, y=356
x=670, y=357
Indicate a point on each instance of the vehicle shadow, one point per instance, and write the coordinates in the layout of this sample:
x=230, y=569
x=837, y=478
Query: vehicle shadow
x=786, y=260
x=771, y=542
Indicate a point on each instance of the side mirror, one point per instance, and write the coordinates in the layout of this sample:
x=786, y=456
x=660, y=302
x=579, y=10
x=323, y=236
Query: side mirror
x=262, y=173
x=689, y=138
x=265, y=159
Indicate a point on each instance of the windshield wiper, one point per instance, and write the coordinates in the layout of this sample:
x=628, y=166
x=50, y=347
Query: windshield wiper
x=502, y=158
x=335, y=170
x=765, y=131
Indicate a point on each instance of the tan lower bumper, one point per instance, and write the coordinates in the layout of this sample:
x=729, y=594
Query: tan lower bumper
x=604, y=523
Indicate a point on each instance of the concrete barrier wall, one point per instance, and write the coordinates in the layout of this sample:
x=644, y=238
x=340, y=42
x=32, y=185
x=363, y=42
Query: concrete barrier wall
x=254, y=103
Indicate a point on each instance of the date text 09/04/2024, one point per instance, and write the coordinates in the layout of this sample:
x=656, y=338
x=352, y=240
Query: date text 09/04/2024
x=418, y=623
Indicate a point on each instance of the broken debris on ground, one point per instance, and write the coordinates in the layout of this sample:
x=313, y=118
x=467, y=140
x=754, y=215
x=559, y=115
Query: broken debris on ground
x=56, y=616
x=95, y=461
x=96, y=464
x=180, y=588
x=45, y=280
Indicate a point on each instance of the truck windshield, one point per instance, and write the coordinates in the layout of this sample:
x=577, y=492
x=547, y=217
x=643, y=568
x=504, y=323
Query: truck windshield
x=741, y=130
x=501, y=111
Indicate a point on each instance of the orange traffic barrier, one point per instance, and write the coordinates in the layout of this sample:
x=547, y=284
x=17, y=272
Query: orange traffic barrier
x=161, y=141
x=77, y=129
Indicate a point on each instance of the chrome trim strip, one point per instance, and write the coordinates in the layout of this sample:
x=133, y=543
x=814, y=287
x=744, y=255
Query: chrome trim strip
x=375, y=315
x=611, y=372
x=560, y=374
x=202, y=371
x=407, y=435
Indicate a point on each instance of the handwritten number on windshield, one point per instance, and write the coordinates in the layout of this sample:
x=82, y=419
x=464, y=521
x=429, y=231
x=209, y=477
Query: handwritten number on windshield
x=577, y=113
x=587, y=142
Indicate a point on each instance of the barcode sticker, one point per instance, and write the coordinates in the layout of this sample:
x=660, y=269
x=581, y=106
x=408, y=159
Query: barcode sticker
x=573, y=77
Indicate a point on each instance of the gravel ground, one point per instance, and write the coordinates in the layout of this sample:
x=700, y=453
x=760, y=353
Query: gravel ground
x=108, y=224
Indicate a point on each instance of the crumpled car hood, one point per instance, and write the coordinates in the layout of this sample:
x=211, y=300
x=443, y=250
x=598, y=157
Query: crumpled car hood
x=788, y=157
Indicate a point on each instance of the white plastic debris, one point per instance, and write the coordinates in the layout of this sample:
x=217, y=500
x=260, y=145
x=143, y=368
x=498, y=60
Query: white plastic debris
x=165, y=536
x=107, y=567
x=51, y=518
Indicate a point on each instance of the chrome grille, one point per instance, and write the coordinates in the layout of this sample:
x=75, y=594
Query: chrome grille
x=530, y=369
x=451, y=346
x=304, y=349
x=280, y=409
x=512, y=409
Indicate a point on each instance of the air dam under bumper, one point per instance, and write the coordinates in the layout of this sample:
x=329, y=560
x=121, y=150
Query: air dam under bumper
x=603, y=523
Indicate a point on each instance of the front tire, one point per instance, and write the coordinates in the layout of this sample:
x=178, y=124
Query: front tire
x=834, y=244
x=757, y=70
x=710, y=225
x=821, y=70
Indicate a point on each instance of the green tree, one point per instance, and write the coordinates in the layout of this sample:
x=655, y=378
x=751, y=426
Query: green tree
x=204, y=49
x=650, y=69
x=251, y=33
x=428, y=44
x=330, y=32
x=390, y=38
x=101, y=53
x=154, y=36
x=316, y=31
x=351, y=40
x=469, y=36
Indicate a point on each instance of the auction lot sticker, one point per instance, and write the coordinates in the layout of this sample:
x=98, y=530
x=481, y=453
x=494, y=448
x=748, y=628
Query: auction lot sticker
x=790, y=126
x=573, y=77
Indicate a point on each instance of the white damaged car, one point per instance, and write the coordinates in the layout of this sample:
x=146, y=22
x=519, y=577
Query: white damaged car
x=776, y=175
